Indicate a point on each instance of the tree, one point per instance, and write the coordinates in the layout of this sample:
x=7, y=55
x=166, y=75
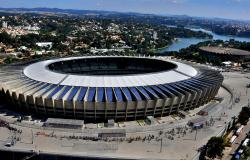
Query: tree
x=244, y=115
x=5, y=38
x=215, y=147
x=10, y=59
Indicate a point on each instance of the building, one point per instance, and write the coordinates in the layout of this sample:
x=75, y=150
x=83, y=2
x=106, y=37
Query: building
x=64, y=123
x=112, y=133
x=155, y=35
x=45, y=44
x=5, y=24
x=225, y=54
x=108, y=87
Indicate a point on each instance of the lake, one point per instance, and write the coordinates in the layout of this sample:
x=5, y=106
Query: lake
x=181, y=43
x=186, y=42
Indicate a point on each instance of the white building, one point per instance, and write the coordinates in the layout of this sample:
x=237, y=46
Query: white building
x=45, y=44
x=5, y=24
x=155, y=35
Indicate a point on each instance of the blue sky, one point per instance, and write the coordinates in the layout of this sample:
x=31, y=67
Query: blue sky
x=233, y=9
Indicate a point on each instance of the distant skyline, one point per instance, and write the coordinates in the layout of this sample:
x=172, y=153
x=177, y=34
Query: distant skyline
x=229, y=9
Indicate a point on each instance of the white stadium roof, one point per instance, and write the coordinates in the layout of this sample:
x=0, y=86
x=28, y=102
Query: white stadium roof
x=40, y=72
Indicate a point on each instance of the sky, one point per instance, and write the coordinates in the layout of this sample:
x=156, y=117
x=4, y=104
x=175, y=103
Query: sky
x=230, y=9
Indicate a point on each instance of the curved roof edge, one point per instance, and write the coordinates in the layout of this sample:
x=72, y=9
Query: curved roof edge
x=39, y=72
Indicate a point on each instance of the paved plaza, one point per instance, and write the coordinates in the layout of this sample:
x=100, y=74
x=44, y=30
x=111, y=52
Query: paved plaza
x=142, y=141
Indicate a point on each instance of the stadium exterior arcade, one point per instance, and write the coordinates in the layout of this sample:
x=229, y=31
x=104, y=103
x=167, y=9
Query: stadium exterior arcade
x=108, y=87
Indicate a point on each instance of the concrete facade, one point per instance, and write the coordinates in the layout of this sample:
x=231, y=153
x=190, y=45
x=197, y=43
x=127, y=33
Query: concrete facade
x=104, y=103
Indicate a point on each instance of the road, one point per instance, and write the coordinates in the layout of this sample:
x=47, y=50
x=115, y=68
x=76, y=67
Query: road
x=237, y=143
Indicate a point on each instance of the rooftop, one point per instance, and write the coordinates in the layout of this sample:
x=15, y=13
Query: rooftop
x=64, y=121
x=223, y=50
x=42, y=72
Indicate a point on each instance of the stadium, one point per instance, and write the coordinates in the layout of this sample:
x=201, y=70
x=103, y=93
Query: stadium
x=225, y=54
x=100, y=88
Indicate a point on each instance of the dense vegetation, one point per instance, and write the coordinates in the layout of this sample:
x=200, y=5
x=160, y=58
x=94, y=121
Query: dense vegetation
x=94, y=32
